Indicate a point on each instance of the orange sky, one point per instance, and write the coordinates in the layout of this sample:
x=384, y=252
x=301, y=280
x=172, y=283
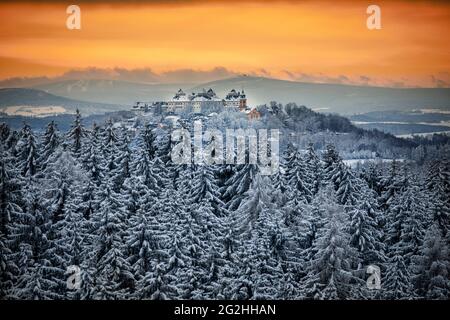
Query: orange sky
x=288, y=39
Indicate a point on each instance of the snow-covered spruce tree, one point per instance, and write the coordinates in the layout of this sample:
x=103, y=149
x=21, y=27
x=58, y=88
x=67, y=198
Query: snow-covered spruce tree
x=390, y=184
x=314, y=169
x=330, y=159
x=365, y=234
x=340, y=177
x=372, y=175
x=62, y=180
x=144, y=246
x=76, y=134
x=10, y=191
x=7, y=268
x=163, y=144
x=192, y=276
x=149, y=140
x=113, y=274
x=172, y=263
x=214, y=276
x=158, y=284
x=147, y=170
x=204, y=188
x=27, y=152
x=50, y=142
x=123, y=159
x=10, y=209
x=32, y=249
x=69, y=248
x=330, y=273
x=397, y=282
x=438, y=189
x=239, y=183
x=298, y=192
x=406, y=221
x=279, y=178
x=263, y=244
x=190, y=225
x=9, y=139
x=162, y=162
x=174, y=270
x=92, y=159
x=316, y=217
x=61, y=175
x=228, y=247
x=346, y=185
x=89, y=200
x=109, y=146
x=5, y=132
x=431, y=267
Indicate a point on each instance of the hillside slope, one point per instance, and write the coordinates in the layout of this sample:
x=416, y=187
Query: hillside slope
x=24, y=101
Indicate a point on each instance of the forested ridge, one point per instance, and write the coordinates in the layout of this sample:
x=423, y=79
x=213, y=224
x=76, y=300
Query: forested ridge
x=141, y=227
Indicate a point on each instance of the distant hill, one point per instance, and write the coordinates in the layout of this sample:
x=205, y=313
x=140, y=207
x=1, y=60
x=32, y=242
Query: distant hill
x=336, y=98
x=111, y=91
x=331, y=98
x=398, y=116
x=32, y=101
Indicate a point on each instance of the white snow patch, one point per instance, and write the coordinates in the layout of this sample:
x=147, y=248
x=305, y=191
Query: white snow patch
x=34, y=111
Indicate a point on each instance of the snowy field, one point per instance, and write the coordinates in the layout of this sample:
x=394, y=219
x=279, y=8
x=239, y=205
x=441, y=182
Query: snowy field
x=33, y=111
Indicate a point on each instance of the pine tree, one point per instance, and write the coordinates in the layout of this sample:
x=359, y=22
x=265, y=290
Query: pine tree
x=431, y=266
x=365, y=233
x=109, y=145
x=346, y=185
x=113, y=273
x=239, y=183
x=330, y=159
x=93, y=162
x=7, y=268
x=10, y=192
x=27, y=152
x=204, y=188
x=123, y=160
x=438, y=187
x=50, y=143
x=297, y=177
x=314, y=169
x=143, y=241
x=330, y=274
x=76, y=134
x=406, y=221
x=316, y=218
x=390, y=184
x=32, y=249
x=398, y=280
x=263, y=239
x=149, y=140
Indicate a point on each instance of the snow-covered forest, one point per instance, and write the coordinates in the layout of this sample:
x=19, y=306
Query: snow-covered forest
x=140, y=227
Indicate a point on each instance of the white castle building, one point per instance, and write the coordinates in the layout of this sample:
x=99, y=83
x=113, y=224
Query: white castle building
x=198, y=102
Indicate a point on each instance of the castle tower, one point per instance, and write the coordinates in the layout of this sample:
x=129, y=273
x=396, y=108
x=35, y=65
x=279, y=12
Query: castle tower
x=242, y=101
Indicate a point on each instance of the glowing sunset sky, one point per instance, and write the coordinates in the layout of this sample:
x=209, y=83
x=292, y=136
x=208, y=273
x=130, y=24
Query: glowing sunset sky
x=316, y=40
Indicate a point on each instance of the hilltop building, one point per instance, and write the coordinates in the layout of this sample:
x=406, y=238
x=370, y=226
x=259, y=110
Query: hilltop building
x=200, y=102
